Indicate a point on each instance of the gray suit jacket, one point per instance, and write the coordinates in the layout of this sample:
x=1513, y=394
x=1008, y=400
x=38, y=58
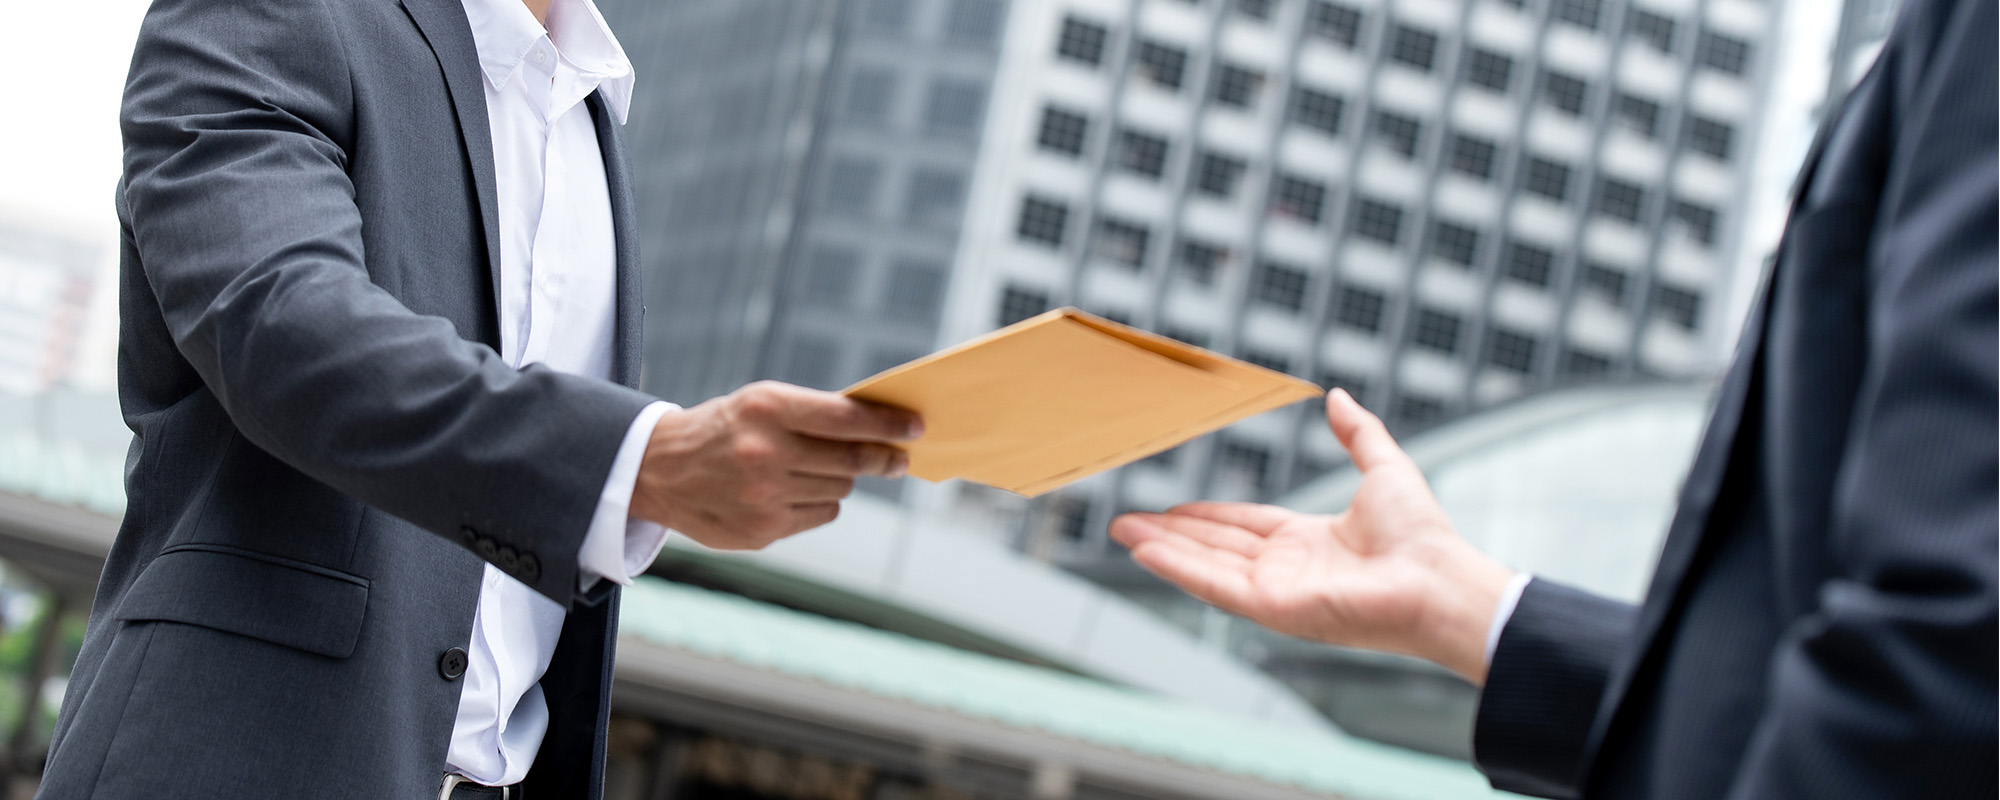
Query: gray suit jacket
x=326, y=443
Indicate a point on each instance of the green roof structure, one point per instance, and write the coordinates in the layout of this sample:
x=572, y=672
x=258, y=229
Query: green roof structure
x=1171, y=736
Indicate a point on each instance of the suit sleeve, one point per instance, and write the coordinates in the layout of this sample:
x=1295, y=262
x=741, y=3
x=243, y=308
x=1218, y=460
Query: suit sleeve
x=1544, y=685
x=1887, y=689
x=237, y=121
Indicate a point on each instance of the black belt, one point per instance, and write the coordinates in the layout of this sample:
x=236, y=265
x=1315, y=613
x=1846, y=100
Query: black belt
x=458, y=788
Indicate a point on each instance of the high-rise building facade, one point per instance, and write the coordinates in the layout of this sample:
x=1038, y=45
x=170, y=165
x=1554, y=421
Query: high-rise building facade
x=1436, y=204
x=803, y=169
x=46, y=280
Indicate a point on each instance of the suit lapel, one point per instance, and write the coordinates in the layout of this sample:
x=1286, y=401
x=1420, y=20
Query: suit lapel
x=450, y=36
x=618, y=178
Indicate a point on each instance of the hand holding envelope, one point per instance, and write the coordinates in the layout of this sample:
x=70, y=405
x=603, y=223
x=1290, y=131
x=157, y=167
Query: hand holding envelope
x=1062, y=396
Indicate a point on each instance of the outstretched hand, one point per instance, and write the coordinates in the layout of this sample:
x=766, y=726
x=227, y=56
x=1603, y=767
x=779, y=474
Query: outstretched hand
x=1389, y=573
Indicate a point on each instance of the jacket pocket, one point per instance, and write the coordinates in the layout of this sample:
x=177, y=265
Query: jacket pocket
x=277, y=600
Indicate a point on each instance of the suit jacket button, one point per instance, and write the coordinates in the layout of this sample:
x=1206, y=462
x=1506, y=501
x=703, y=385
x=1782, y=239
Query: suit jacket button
x=452, y=664
x=528, y=569
x=487, y=548
x=468, y=536
x=507, y=560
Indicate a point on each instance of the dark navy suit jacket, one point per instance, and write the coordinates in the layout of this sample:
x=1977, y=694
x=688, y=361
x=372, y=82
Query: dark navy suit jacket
x=327, y=448
x=1822, y=622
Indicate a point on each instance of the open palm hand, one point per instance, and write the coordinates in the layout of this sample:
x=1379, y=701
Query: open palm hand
x=1389, y=573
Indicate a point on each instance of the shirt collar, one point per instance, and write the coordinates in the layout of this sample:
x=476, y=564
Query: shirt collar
x=505, y=30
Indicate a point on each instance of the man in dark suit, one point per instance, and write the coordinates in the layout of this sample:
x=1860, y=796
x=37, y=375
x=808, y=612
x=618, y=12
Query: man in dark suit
x=1822, y=621
x=380, y=324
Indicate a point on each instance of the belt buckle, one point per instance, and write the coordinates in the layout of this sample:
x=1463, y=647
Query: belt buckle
x=453, y=779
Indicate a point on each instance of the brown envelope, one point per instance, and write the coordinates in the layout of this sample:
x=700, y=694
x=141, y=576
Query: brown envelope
x=1065, y=395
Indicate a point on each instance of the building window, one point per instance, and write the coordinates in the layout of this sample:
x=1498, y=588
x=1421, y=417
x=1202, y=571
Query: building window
x=916, y=291
x=1251, y=462
x=1722, y=53
x=1620, y=200
x=830, y=276
x=1529, y=263
x=1082, y=42
x=1413, y=47
x=1489, y=70
x=1398, y=132
x=1418, y=410
x=1546, y=178
x=1436, y=330
x=1281, y=286
x=1512, y=351
x=974, y=21
x=1120, y=242
x=1473, y=156
x=871, y=95
x=1604, y=282
x=1201, y=262
x=1565, y=93
x=1378, y=221
x=1653, y=29
x=887, y=16
x=1455, y=243
x=812, y=362
x=1585, y=363
x=1678, y=306
x=933, y=198
x=1334, y=22
x=1581, y=13
x=1697, y=220
x=1255, y=9
x=1062, y=131
x=1017, y=304
x=1360, y=308
x=1318, y=110
x=1162, y=65
x=1638, y=114
x=1355, y=385
x=955, y=107
x=1236, y=86
x=1142, y=153
x=851, y=185
x=1709, y=136
x=1268, y=360
x=1043, y=221
x=1218, y=174
x=1298, y=199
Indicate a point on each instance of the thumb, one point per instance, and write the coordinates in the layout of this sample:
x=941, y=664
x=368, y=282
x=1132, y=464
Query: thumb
x=1362, y=433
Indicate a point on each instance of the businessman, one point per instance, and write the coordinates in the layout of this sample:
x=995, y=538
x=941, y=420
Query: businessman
x=380, y=323
x=1822, y=620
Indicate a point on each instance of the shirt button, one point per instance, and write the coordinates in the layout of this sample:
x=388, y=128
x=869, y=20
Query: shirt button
x=452, y=664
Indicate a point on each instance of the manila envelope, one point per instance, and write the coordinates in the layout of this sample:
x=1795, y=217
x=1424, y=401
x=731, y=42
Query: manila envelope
x=1062, y=396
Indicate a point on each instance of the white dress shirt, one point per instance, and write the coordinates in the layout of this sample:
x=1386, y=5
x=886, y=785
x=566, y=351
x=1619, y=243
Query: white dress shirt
x=557, y=307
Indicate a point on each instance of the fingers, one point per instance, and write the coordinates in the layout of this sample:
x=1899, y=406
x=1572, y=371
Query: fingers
x=812, y=515
x=1252, y=517
x=826, y=415
x=802, y=490
x=1137, y=529
x=1362, y=433
x=846, y=459
x=1217, y=578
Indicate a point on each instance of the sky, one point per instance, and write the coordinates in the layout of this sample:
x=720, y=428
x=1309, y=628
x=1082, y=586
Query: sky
x=59, y=155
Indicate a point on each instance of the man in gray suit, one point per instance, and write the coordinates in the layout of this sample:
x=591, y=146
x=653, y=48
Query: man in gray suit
x=380, y=324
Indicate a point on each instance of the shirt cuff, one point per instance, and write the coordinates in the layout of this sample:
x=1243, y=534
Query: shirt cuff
x=618, y=547
x=1509, y=598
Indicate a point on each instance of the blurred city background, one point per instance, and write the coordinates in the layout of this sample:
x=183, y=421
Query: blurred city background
x=1523, y=231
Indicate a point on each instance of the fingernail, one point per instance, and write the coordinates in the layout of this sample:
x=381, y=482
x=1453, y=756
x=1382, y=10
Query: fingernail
x=916, y=429
x=899, y=467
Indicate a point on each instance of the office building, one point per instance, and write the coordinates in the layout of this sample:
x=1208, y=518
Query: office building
x=803, y=168
x=1438, y=205
x=46, y=279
